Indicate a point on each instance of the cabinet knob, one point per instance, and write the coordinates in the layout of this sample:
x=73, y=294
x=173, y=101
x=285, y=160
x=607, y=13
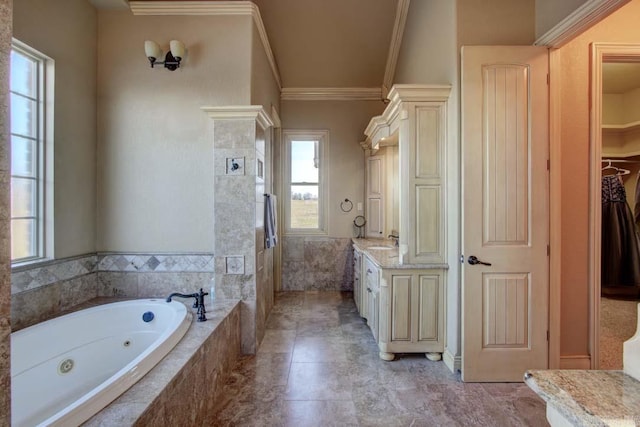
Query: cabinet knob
x=369, y=271
x=368, y=289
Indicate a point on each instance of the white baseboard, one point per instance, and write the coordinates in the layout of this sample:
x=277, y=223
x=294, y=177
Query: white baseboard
x=575, y=362
x=454, y=363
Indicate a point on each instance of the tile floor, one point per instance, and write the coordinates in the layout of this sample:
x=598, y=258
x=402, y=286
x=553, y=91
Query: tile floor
x=318, y=365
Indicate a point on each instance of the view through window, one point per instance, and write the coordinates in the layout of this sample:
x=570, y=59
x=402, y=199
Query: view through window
x=304, y=184
x=305, y=181
x=27, y=150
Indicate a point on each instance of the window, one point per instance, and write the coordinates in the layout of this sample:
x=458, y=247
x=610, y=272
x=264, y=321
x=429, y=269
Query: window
x=28, y=156
x=305, y=185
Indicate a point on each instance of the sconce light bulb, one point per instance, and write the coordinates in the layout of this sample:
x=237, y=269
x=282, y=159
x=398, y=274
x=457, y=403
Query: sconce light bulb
x=177, y=49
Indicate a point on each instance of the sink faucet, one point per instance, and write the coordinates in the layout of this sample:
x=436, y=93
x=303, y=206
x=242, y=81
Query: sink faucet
x=199, y=302
x=395, y=237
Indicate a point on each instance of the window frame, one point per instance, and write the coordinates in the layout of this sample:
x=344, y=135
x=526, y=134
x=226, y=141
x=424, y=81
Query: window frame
x=322, y=136
x=44, y=155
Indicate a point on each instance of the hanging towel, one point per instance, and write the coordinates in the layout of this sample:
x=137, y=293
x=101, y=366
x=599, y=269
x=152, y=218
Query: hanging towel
x=270, y=221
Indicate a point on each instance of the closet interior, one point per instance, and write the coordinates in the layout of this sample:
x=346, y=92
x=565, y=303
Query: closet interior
x=620, y=242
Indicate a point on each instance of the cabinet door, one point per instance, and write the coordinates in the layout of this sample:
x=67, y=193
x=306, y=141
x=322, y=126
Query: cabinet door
x=357, y=281
x=375, y=217
x=374, y=177
x=372, y=288
x=401, y=308
x=430, y=300
x=375, y=197
x=374, y=312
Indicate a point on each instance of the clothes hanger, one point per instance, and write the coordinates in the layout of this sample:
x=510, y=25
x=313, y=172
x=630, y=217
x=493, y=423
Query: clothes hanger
x=619, y=171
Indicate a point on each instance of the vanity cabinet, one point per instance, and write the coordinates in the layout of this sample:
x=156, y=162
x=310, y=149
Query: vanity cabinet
x=372, y=289
x=411, y=318
x=357, y=279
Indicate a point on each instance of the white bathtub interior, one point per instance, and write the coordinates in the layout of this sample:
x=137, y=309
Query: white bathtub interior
x=65, y=370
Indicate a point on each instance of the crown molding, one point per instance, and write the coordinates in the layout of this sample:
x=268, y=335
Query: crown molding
x=240, y=112
x=211, y=8
x=275, y=117
x=331, y=94
x=402, y=10
x=584, y=17
x=419, y=92
x=192, y=7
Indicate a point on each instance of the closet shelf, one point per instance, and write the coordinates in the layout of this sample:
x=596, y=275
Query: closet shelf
x=619, y=155
x=625, y=127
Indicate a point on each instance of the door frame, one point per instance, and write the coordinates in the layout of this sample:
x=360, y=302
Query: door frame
x=600, y=52
x=580, y=20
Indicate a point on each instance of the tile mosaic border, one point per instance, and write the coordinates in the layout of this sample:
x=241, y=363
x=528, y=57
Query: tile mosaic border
x=25, y=278
x=156, y=262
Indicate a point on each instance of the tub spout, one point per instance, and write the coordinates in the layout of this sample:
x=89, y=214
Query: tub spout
x=198, y=303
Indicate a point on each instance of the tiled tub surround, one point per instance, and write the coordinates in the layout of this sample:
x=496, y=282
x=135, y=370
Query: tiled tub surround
x=184, y=386
x=317, y=264
x=6, y=29
x=43, y=291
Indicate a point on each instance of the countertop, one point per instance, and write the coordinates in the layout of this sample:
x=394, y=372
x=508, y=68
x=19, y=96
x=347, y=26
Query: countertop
x=589, y=398
x=388, y=258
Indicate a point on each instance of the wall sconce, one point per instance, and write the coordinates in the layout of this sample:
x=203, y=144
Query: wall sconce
x=171, y=60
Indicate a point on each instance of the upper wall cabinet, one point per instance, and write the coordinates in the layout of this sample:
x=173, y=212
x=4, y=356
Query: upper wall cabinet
x=418, y=114
x=375, y=197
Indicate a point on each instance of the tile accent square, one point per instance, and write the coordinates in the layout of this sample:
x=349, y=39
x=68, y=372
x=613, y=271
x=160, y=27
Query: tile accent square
x=235, y=265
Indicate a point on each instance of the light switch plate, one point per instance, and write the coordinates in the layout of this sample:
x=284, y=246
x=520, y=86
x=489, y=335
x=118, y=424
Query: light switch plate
x=235, y=165
x=235, y=264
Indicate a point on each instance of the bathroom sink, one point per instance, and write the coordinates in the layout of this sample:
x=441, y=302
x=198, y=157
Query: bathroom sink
x=381, y=248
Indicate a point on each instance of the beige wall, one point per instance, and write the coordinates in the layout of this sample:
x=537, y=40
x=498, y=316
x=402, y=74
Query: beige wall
x=551, y=12
x=496, y=22
x=5, y=273
x=621, y=26
x=264, y=88
x=428, y=50
x=155, y=149
x=621, y=108
x=66, y=31
x=345, y=121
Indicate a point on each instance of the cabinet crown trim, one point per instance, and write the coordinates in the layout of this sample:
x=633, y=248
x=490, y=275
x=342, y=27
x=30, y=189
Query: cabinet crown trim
x=384, y=125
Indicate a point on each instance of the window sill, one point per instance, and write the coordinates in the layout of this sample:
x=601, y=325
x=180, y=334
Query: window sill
x=19, y=266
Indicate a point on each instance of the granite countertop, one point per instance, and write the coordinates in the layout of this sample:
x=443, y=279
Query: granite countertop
x=388, y=258
x=589, y=398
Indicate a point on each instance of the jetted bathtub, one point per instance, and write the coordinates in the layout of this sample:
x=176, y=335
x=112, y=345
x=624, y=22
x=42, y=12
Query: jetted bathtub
x=65, y=370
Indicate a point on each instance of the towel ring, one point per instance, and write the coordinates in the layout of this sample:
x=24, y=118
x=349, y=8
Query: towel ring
x=346, y=206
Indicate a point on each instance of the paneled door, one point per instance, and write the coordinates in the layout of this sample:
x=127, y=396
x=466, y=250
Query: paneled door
x=505, y=225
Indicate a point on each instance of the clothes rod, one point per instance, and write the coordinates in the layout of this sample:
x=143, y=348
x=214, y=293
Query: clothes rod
x=620, y=161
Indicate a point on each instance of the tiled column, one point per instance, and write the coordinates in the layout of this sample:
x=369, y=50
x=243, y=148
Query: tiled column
x=235, y=210
x=5, y=242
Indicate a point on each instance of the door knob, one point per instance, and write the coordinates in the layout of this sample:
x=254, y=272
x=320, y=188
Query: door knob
x=473, y=260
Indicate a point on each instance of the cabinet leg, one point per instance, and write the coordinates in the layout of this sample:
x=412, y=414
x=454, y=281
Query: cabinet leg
x=434, y=357
x=386, y=356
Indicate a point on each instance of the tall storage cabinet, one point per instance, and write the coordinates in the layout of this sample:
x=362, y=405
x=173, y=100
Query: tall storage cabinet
x=410, y=303
x=418, y=115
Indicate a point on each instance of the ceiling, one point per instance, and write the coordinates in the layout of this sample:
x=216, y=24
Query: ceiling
x=620, y=77
x=324, y=43
x=329, y=43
